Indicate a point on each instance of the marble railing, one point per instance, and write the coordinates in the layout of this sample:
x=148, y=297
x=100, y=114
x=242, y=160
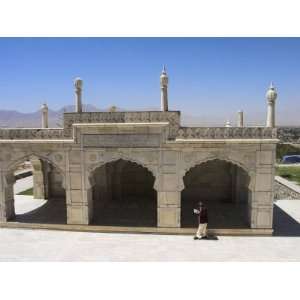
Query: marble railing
x=226, y=133
x=284, y=189
x=31, y=133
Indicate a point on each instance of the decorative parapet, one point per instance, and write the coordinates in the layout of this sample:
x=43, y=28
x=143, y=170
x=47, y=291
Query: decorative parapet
x=226, y=133
x=289, y=134
x=172, y=117
x=31, y=133
x=284, y=189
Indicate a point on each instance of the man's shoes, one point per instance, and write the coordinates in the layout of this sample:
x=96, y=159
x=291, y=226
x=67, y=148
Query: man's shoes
x=196, y=238
x=204, y=237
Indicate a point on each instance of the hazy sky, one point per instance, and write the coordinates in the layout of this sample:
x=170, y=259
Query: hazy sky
x=209, y=77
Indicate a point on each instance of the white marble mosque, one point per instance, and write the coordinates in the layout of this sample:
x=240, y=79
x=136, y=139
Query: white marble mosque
x=143, y=169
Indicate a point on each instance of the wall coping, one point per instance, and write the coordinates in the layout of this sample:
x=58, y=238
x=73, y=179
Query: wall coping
x=288, y=183
x=155, y=124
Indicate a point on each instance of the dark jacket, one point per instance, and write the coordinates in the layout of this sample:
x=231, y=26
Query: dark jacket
x=202, y=216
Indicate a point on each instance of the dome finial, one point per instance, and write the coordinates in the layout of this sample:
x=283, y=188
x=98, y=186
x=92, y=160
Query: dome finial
x=164, y=71
x=272, y=85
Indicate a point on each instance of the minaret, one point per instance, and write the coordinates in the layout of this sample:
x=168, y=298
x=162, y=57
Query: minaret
x=164, y=80
x=240, y=121
x=271, y=96
x=78, y=94
x=227, y=124
x=44, y=109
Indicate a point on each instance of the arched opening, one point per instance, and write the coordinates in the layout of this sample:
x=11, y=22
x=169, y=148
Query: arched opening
x=123, y=195
x=224, y=188
x=35, y=192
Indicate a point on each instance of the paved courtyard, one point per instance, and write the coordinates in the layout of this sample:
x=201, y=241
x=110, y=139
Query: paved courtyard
x=50, y=245
x=47, y=245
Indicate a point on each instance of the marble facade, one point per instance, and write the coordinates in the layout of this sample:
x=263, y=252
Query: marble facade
x=154, y=140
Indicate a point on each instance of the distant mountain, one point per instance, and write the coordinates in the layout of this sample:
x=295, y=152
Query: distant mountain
x=13, y=118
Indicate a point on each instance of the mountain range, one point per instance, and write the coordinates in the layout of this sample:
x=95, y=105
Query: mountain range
x=16, y=119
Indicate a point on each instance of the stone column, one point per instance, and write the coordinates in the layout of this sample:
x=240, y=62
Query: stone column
x=2, y=197
x=44, y=109
x=38, y=179
x=78, y=192
x=7, y=208
x=168, y=208
x=78, y=94
x=263, y=191
x=240, y=122
x=271, y=98
x=164, y=89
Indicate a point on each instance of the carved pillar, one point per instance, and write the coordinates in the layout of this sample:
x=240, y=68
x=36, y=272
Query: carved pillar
x=168, y=210
x=168, y=201
x=2, y=197
x=38, y=179
x=7, y=208
x=263, y=190
x=77, y=191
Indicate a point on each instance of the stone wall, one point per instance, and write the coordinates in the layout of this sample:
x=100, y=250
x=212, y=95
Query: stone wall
x=172, y=117
x=285, y=189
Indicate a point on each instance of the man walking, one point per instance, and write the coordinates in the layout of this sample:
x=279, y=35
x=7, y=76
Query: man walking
x=202, y=221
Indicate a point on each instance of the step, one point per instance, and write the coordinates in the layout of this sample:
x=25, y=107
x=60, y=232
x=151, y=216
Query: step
x=121, y=229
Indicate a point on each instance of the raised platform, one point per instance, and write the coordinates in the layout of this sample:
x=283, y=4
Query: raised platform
x=149, y=230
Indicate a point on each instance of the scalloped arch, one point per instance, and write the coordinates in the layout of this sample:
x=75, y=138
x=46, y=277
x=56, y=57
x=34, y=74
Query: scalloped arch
x=21, y=159
x=125, y=158
x=196, y=163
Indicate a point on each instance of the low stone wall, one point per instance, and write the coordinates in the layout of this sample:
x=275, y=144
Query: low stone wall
x=31, y=133
x=285, y=189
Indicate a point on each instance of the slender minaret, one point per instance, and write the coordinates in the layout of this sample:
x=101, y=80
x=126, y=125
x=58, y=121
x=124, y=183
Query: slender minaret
x=78, y=94
x=271, y=97
x=44, y=110
x=164, y=80
x=240, y=120
x=227, y=124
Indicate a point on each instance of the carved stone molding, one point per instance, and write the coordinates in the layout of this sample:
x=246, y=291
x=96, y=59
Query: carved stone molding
x=226, y=133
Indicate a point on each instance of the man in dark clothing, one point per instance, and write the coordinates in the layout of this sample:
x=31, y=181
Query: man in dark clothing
x=202, y=221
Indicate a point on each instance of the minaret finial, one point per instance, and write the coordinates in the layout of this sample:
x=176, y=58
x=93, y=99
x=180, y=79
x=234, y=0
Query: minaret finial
x=164, y=80
x=271, y=96
x=78, y=94
x=44, y=109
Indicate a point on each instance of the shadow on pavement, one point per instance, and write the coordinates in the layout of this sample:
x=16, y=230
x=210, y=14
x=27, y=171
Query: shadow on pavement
x=284, y=224
x=52, y=212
